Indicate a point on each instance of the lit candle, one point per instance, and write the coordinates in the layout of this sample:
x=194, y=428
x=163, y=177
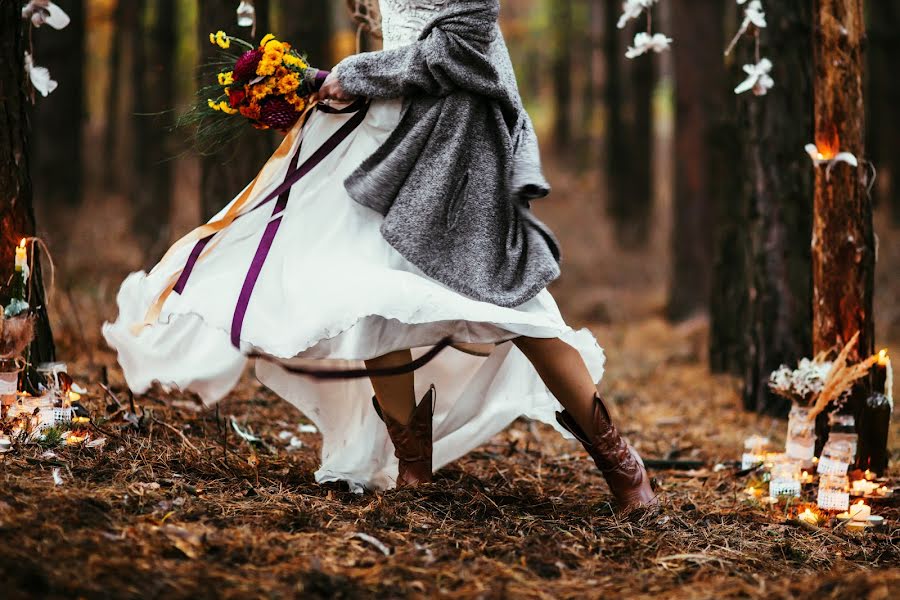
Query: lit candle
x=869, y=475
x=21, y=256
x=885, y=361
x=805, y=477
x=753, y=492
x=860, y=511
x=808, y=516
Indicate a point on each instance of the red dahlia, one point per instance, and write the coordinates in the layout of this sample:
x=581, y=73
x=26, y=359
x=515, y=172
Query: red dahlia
x=236, y=96
x=245, y=67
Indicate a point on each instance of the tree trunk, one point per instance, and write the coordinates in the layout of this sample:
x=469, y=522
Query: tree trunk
x=16, y=210
x=843, y=238
x=562, y=73
x=882, y=100
x=121, y=101
x=776, y=206
x=629, y=97
x=224, y=175
x=307, y=25
x=58, y=118
x=155, y=52
x=700, y=105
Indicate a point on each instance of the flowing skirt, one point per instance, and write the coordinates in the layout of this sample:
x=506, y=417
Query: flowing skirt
x=331, y=289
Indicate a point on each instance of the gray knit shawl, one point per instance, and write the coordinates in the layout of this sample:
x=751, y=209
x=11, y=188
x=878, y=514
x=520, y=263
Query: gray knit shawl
x=454, y=179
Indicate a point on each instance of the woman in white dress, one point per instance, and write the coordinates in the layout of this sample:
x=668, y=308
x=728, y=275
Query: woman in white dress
x=333, y=289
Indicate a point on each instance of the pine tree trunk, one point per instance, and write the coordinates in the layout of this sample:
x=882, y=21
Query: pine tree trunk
x=843, y=253
x=307, y=25
x=154, y=106
x=883, y=100
x=562, y=73
x=16, y=210
x=225, y=174
x=776, y=205
x=700, y=104
x=58, y=118
x=629, y=96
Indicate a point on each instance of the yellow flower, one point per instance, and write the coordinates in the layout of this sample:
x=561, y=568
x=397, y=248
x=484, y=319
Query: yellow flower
x=226, y=78
x=223, y=106
x=212, y=38
x=266, y=67
x=269, y=37
x=294, y=61
x=212, y=104
x=222, y=40
x=274, y=47
x=288, y=83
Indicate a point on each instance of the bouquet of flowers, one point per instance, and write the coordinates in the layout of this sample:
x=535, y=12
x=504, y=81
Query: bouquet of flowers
x=269, y=85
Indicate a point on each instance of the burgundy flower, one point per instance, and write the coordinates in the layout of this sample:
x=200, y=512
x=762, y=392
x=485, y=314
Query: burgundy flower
x=245, y=67
x=278, y=113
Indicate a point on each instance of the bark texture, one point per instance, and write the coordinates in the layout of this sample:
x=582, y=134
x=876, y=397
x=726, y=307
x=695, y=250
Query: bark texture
x=843, y=238
x=16, y=210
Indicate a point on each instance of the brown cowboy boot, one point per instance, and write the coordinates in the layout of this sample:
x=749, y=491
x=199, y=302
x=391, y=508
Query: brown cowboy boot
x=412, y=442
x=620, y=464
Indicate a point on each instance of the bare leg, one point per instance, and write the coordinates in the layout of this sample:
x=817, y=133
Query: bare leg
x=396, y=394
x=563, y=371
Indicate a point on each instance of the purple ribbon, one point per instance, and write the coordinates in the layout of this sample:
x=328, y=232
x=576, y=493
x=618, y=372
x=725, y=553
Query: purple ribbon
x=360, y=107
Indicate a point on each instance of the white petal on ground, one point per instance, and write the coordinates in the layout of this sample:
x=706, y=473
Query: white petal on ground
x=40, y=76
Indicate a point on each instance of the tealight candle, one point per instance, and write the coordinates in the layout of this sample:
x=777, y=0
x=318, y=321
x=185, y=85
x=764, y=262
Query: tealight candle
x=860, y=511
x=808, y=516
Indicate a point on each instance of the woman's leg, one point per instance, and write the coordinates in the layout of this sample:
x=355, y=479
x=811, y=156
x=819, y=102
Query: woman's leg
x=563, y=371
x=396, y=394
x=565, y=374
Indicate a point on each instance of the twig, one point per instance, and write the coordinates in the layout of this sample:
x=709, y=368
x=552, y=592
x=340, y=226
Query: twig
x=176, y=430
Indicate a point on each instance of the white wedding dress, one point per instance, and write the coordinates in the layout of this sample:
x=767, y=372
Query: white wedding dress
x=332, y=288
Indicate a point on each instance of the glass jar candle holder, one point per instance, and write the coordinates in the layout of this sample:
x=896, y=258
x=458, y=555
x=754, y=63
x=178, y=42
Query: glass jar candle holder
x=754, y=451
x=801, y=436
x=838, y=454
x=833, y=492
x=785, y=478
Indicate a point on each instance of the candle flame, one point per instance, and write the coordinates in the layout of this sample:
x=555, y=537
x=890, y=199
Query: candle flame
x=22, y=243
x=861, y=503
x=883, y=358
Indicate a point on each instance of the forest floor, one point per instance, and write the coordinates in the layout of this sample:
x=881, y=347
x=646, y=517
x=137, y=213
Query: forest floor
x=183, y=508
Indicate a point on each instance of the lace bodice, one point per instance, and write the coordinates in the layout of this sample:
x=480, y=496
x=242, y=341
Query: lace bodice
x=403, y=20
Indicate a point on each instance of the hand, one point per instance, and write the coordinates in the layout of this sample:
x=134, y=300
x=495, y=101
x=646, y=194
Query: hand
x=332, y=90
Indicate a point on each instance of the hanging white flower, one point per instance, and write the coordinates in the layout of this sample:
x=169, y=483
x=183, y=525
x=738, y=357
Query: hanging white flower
x=758, y=78
x=644, y=42
x=632, y=9
x=40, y=76
x=754, y=15
x=44, y=11
x=246, y=14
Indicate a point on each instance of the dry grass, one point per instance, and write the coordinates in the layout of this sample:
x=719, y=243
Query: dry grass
x=155, y=514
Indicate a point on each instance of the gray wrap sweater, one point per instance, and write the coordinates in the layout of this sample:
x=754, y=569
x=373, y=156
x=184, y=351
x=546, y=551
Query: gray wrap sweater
x=454, y=179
